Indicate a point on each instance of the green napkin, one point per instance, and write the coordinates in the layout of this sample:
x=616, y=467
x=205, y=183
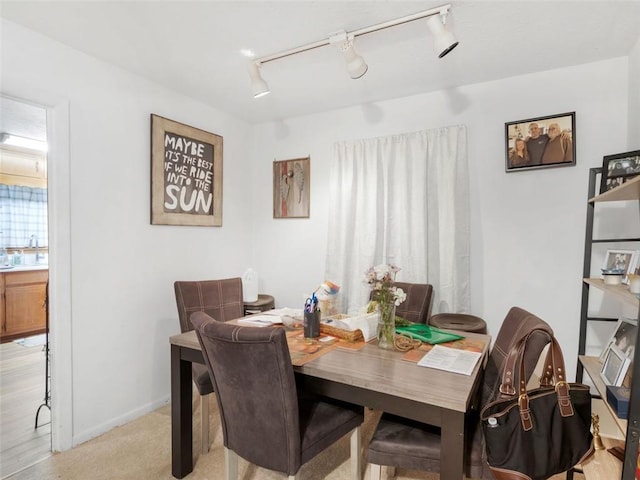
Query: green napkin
x=427, y=333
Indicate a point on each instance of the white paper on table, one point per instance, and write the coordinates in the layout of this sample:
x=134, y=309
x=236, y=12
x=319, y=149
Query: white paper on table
x=284, y=312
x=261, y=320
x=450, y=359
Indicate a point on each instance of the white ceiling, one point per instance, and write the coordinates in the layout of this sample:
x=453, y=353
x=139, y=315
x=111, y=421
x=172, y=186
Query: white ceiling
x=194, y=47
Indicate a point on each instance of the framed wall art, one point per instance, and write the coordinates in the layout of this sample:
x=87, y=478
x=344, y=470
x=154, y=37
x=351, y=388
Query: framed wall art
x=291, y=181
x=618, y=169
x=540, y=142
x=186, y=175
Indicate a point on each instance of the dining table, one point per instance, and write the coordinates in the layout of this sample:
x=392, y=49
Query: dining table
x=380, y=379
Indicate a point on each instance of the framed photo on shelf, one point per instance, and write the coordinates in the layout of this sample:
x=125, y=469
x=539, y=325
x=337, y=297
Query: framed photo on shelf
x=540, y=142
x=625, y=260
x=618, y=169
x=623, y=338
x=291, y=179
x=615, y=367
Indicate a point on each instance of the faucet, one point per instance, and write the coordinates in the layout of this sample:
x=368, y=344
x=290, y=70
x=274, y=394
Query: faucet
x=33, y=242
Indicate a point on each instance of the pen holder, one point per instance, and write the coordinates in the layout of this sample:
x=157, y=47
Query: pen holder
x=312, y=324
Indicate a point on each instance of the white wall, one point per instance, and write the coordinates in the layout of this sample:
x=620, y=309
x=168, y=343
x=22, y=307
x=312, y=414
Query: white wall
x=634, y=97
x=527, y=228
x=122, y=268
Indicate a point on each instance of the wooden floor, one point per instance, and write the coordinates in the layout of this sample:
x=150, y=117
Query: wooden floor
x=22, y=373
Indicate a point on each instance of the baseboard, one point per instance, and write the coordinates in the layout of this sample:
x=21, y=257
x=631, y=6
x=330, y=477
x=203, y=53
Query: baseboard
x=98, y=430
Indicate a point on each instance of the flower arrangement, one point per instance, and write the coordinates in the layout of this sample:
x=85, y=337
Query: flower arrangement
x=387, y=296
x=380, y=279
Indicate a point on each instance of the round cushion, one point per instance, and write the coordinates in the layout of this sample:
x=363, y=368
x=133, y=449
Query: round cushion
x=459, y=321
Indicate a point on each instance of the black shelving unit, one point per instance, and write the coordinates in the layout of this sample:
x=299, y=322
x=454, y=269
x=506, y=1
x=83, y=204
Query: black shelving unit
x=629, y=191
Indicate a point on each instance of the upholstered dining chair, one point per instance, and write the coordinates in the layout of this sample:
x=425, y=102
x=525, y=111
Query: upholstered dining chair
x=402, y=443
x=222, y=299
x=264, y=418
x=417, y=306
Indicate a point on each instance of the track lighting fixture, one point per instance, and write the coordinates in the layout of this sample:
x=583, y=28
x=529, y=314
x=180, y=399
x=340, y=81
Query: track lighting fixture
x=259, y=86
x=444, y=42
x=356, y=65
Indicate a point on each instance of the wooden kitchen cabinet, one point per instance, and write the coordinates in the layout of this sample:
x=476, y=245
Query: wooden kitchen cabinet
x=22, y=307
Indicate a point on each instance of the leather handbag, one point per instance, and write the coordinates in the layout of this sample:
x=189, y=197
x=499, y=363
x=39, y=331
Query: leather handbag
x=538, y=433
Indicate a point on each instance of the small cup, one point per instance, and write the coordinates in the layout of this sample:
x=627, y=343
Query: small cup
x=634, y=284
x=312, y=324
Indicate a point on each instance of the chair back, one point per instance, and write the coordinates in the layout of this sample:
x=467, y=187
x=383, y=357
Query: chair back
x=517, y=324
x=220, y=299
x=417, y=307
x=255, y=385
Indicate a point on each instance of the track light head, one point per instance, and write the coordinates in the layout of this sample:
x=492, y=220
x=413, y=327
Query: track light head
x=444, y=39
x=258, y=85
x=356, y=66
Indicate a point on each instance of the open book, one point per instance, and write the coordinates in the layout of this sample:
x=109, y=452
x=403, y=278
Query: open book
x=450, y=359
x=367, y=323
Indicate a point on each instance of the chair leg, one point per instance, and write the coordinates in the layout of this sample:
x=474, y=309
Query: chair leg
x=230, y=464
x=204, y=423
x=356, y=453
x=375, y=471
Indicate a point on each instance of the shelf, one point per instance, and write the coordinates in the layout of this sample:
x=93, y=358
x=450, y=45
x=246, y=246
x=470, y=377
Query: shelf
x=627, y=191
x=593, y=365
x=620, y=291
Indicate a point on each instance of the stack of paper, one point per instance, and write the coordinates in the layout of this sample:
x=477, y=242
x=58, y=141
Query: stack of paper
x=450, y=359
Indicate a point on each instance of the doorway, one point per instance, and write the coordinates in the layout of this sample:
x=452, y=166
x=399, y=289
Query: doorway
x=25, y=411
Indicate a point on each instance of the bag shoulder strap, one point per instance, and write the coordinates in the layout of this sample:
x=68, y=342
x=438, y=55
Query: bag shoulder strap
x=515, y=356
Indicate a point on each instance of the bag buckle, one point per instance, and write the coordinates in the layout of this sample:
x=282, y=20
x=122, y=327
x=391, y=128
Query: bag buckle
x=507, y=389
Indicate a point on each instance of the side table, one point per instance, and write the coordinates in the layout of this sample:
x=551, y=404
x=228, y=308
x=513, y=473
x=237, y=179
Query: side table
x=264, y=302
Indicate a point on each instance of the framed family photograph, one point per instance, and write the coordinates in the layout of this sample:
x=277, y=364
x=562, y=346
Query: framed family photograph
x=618, y=169
x=186, y=175
x=623, y=338
x=540, y=142
x=624, y=260
x=291, y=180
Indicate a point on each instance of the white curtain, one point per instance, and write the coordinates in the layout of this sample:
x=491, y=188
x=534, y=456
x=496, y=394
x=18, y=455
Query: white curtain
x=402, y=199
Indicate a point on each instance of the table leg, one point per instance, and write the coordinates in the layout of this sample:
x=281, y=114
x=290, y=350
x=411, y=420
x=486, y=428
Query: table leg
x=452, y=447
x=181, y=415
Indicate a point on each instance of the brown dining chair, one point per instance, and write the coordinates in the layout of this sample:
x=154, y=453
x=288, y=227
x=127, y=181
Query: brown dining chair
x=403, y=443
x=221, y=299
x=264, y=418
x=417, y=306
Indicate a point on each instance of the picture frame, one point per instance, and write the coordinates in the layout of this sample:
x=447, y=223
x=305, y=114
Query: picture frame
x=186, y=175
x=618, y=169
x=623, y=338
x=291, y=192
x=540, y=142
x=625, y=260
x=614, y=367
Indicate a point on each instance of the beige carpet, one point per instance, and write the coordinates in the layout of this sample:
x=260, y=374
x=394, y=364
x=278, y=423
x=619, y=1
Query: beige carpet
x=141, y=450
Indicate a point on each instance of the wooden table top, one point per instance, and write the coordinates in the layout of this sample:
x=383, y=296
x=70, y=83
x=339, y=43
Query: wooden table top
x=386, y=372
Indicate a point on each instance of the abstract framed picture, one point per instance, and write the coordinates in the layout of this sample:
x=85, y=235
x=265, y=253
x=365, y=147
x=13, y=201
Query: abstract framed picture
x=291, y=181
x=618, y=169
x=540, y=142
x=186, y=175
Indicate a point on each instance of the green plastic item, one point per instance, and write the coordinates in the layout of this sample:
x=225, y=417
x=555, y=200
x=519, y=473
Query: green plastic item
x=427, y=333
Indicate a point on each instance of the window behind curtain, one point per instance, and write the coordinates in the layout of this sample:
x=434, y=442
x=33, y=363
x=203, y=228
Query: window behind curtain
x=23, y=212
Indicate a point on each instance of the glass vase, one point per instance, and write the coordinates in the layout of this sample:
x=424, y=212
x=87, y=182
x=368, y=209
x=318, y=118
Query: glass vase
x=386, y=325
